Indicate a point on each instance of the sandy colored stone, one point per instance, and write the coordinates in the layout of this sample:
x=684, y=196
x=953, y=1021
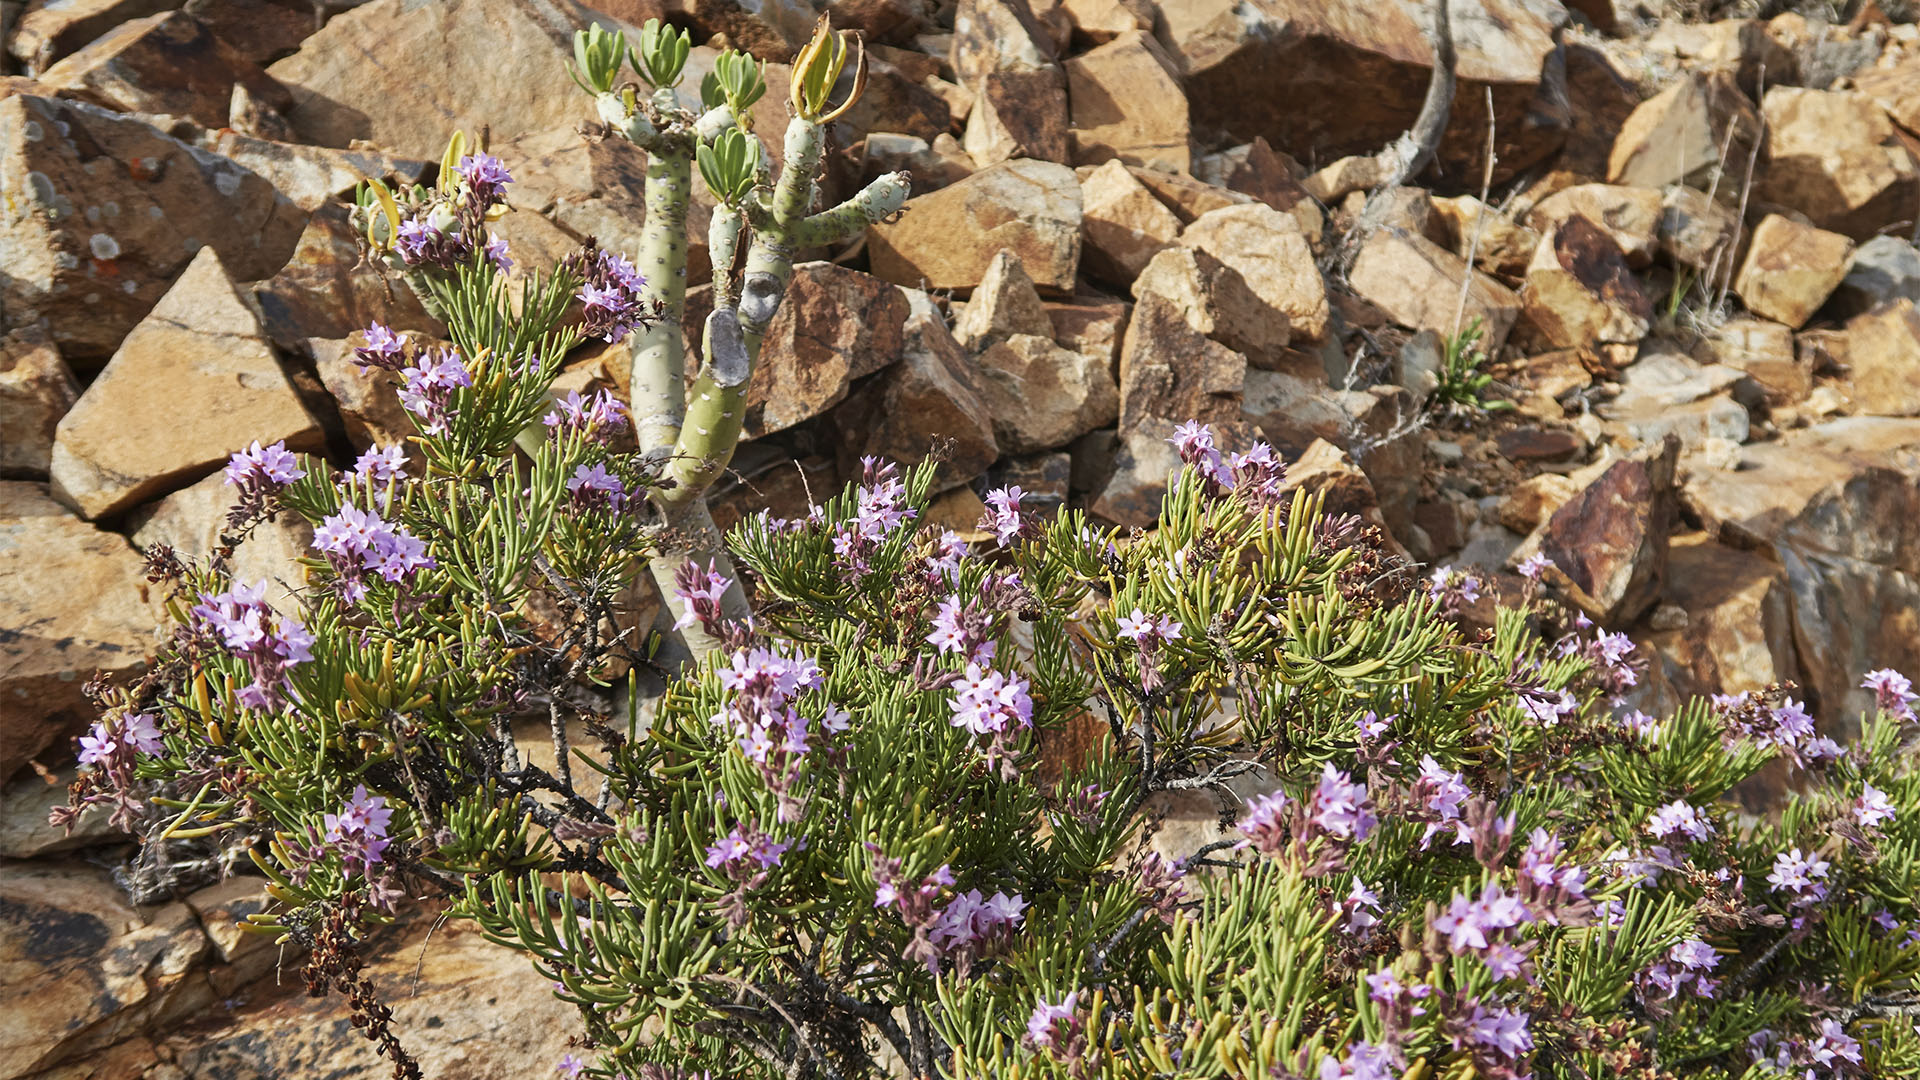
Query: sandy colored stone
x=1123, y=225
x=313, y=175
x=1696, y=231
x=1498, y=244
x=1005, y=303
x=1127, y=105
x=1765, y=351
x=1884, y=269
x=1677, y=136
x=324, y=292
x=1293, y=410
x=1100, y=21
x=1170, y=371
x=49, y=645
x=1416, y=282
x=1092, y=325
x=36, y=390
x=1579, y=291
x=1269, y=252
x=1629, y=215
x=1883, y=360
x=1740, y=47
x=1324, y=79
x=1834, y=156
x=1186, y=197
x=945, y=239
x=1042, y=395
x=168, y=63
x=201, y=353
x=1218, y=302
x=835, y=325
x=1534, y=500
x=997, y=35
x=103, y=212
x=930, y=399
x=1019, y=114
x=1257, y=169
x=1791, y=269
x=1895, y=89
x=47, y=31
x=190, y=521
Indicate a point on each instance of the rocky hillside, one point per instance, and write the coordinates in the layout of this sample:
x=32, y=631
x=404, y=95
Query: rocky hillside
x=1677, y=238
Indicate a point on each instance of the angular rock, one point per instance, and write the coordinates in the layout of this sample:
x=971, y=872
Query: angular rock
x=83, y=969
x=1417, y=283
x=1740, y=47
x=1019, y=114
x=1496, y=243
x=49, y=645
x=835, y=325
x=36, y=390
x=1267, y=250
x=1334, y=182
x=1777, y=481
x=1123, y=225
x=1091, y=325
x=190, y=521
x=930, y=399
x=1041, y=395
x=260, y=30
x=946, y=239
x=1791, y=269
x=597, y=187
x=1678, y=136
x=1884, y=269
x=324, y=292
x=1043, y=478
x=1579, y=291
x=1100, y=21
x=169, y=64
x=1186, y=197
x=1883, y=360
x=1170, y=371
x=1539, y=444
x=48, y=31
x=1324, y=469
x=1667, y=392
x=1264, y=173
x=200, y=352
x=1328, y=79
x=899, y=101
x=1629, y=215
x=1834, y=156
x=368, y=401
x=1535, y=499
x=997, y=35
x=1696, y=231
x=313, y=175
x=1216, y=301
x=104, y=211
x=1127, y=106
x=1765, y=351
x=1292, y=411
x=1895, y=89
x=1005, y=303
x=1738, y=635
x=222, y=908
x=1610, y=540
x=24, y=806
x=403, y=76
x=934, y=165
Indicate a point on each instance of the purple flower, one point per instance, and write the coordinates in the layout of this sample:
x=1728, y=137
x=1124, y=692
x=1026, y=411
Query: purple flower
x=1341, y=807
x=1003, y=518
x=416, y=241
x=1547, y=707
x=1695, y=955
x=384, y=349
x=264, y=466
x=610, y=294
x=1471, y=925
x=1263, y=823
x=496, y=253
x=1801, y=875
x=1503, y=1031
x=1679, y=818
x=594, y=486
x=1145, y=629
x=486, y=177
x=600, y=416
x=357, y=542
x=987, y=702
x=1833, y=1045
x=360, y=830
x=381, y=464
x=570, y=1067
x=1365, y=1061
x=1444, y=793
x=1872, y=809
x=1194, y=442
x=246, y=627
x=430, y=385
x=1054, y=1027
x=1534, y=566
x=1892, y=692
x=701, y=592
x=137, y=732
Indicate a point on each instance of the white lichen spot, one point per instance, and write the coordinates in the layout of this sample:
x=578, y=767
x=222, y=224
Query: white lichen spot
x=110, y=208
x=33, y=131
x=65, y=129
x=129, y=287
x=226, y=182
x=92, y=298
x=65, y=260
x=156, y=213
x=93, y=214
x=42, y=187
x=104, y=247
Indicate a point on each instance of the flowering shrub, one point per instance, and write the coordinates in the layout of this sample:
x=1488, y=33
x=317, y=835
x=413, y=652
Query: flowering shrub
x=900, y=804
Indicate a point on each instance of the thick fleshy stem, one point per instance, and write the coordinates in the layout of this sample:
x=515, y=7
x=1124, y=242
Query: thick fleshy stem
x=658, y=377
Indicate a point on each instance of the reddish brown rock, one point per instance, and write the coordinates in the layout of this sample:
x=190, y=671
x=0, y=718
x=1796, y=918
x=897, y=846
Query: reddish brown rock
x=1005, y=303
x=945, y=239
x=167, y=63
x=36, y=390
x=997, y=35
x=1629, y=215
x=1610, y=540
x=1883, y=360
x=1128, y=106
x=1791, y=269
x=1042, y=395
x=1019, y=114
x=1266, y=174
x=1268, y=251
x=1738, y=635
x=1539, y=444
x=1124, y=225
x=1170, y=371
x=1186, y=197
x=835, y=325
x=1217, y=301
x=1580, y=292
x=930, y=401
x=50, y=29
x=325, y=292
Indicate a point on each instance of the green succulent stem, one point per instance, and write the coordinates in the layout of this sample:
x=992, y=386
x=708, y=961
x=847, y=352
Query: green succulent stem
x=658, y=377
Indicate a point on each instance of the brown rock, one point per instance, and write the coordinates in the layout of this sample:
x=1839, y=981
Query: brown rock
x=1629, y=215
x=222, y=908
x=1019, y=114
x=1539, y=444
x=1883, y=360
x=1741, y=48
x=1005, y=303
x=368, y=401
x=1323, y=79
x=1170, y=371
x=25, y=804
x=1042, y=478
x=1259, y=170
x=1895, y=89
x=191, y=521
x=1124, y=226
x=323, y=291
x=1324, y=469
x=1738, y=635
x=997, y=35
x=1128, y=106
x=1678, y=135
x=1268, y=251
x=1091, y=325
x=1417, y=283
x=946, y=239
x=1610, y=540
x=201, y=352
x=84, y=969
x=313, y=175
x=1834, y=156
x=1292, y=410
x=597, y=187
x=1791, y=269
x=1535, y=499
x=1041, y=395
x=106, y=211
x=1216, y=301
x=1498, y=244
x=1100, y=21
x=167, y=63
x=930, y=399
x=1696, y=231
x=1186, y=197
x=1765, y=351
x=1143, y=463
x=1334, y=182
x=1666, y=393
x=898, y=101
x=50, y=646
x=934, y=165
x=1579, y=291
x=471, y=63
x=835, y=325
x=260, y=30
x=36, y=390
x=47, y=31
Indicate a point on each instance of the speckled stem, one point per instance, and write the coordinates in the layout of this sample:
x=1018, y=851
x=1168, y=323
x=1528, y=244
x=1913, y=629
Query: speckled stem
x=692, y=536
x=659, y=358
